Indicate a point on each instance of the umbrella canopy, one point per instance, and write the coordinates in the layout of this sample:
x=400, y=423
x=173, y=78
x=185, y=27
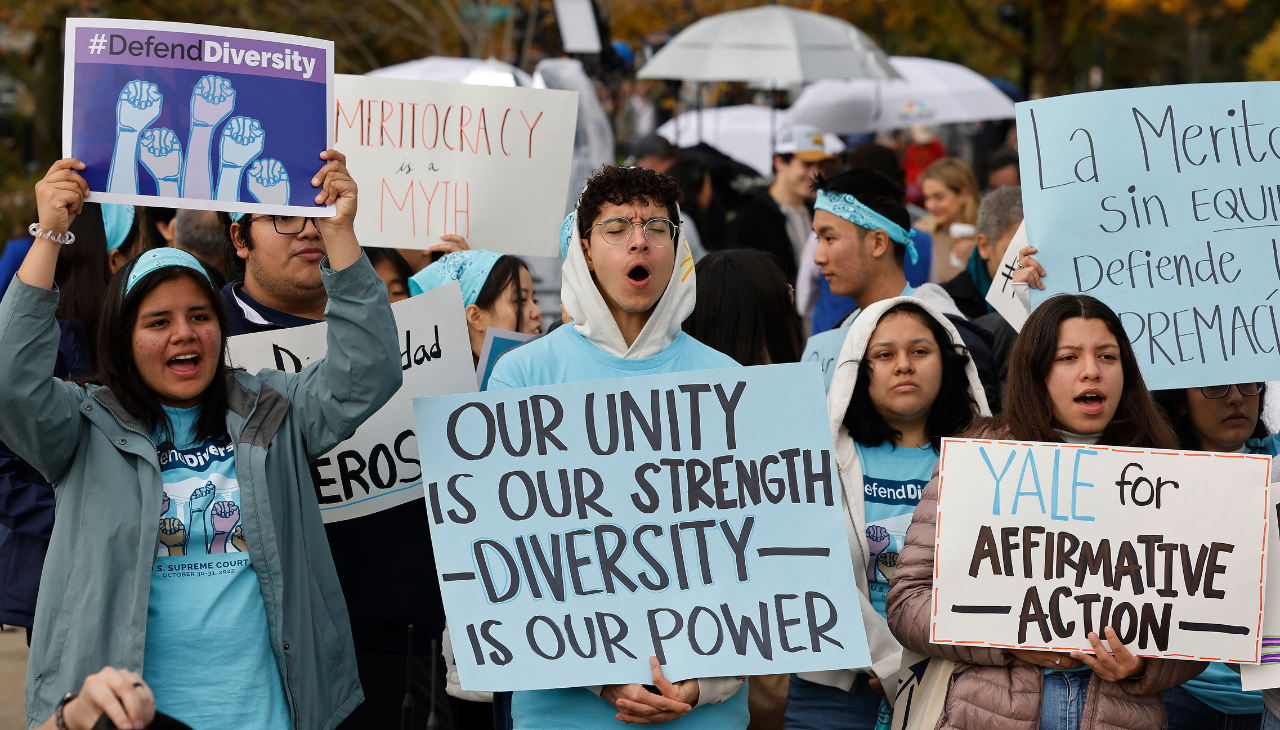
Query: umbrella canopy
x=743, y=133
x=481, y=72
x=929, y=92
x=772, y=43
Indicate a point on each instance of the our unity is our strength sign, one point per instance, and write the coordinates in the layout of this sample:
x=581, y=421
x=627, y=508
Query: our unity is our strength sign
x=696, y=517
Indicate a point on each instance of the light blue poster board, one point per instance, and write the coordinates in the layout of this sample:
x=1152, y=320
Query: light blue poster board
x=696, y=517
x=496, y=343
x=1162, y=202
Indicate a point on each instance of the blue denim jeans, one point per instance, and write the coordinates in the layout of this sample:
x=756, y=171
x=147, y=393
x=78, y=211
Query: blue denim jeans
x=1186, y=712
x=1062, y=702
x=1270, y=721
x=813, y=706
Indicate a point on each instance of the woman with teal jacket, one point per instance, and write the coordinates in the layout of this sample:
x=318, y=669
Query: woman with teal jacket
x=188, y=545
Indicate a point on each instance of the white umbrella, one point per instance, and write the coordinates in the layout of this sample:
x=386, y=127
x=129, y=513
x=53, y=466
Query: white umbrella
x=929, y=92
x=772, y=43
x=740, y=132
x=481, y=72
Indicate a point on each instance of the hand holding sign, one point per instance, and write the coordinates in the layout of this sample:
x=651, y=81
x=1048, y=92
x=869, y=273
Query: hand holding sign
x=637, y=704
x=1108, y=666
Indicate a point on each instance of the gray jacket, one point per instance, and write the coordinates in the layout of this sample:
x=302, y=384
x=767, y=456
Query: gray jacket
x=92, y=609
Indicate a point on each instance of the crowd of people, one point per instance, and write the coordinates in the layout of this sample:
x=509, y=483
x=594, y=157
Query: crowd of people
x=128, y=432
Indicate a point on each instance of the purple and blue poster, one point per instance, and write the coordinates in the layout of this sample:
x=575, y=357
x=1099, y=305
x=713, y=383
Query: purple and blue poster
x=195, y=116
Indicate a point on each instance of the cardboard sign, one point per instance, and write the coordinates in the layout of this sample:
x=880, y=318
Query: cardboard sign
x=1002, y=295
x=1161, y=202
x=487, y=163
x=695, y=517
x=1039, y=544
x=194, y=116
x=377, y=468
x=496, y=342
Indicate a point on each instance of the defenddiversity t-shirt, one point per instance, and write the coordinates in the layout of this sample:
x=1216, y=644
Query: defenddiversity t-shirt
x=893, y=479
x=208, y=654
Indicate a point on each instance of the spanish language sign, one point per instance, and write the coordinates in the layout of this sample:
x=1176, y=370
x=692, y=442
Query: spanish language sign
x=194, y=116
x=693, y=517
x=1162, y=202
x=377, y=468
x=1040, y=544
x=487, y=163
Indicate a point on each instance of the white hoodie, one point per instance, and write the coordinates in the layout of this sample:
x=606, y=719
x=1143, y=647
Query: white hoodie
x=886, y=652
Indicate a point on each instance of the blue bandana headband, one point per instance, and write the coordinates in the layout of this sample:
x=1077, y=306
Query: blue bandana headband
x=159, y=258
x=235, y=217
x=470, y=269
x=851, y=209
x=117, y=220
x=567, y=233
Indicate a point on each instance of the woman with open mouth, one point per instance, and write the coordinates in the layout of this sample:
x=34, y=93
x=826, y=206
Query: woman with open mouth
x=1073, y=378
x=188, y=542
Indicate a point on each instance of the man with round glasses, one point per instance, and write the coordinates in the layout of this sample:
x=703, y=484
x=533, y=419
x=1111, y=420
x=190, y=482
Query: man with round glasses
x=628, y=285
x=281, y=286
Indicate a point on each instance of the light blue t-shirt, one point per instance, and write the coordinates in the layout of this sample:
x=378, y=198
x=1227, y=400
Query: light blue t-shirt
x=565, y=356
x=208, y=652
x=824, y=347
x=893, y=478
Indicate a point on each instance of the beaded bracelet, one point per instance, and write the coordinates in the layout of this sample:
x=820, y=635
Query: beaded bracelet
x=64, y=238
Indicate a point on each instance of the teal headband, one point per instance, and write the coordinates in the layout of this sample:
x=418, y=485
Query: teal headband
x=567, y=233
x=159, y=258
x=235, y=217
x=851, y=209
x=469, y=268
x=116, y=222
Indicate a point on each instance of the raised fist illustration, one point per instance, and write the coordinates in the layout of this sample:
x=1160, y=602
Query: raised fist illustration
x=161, y=154
x=237, y=539
x=139, y=105
x=877, y=541
x=241, y=141
x=173, y=534
x=269, y=182
x=212, y=100
x=225, y=515
x=164, y=504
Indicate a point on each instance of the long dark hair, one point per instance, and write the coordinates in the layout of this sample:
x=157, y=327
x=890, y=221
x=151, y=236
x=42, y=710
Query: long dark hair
x=1028, y=411
x=117, y=370
x=505, y=272
x=952, y=410
x=744, y=308
x=81, y=275
x=1174, y=400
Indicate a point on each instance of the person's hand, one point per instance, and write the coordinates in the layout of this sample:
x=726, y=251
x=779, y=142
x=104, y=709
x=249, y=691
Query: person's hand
x=60, y=195
x=962, y=248
x=118, y=693
x=1047, y=659
x=1031, y=270
x=1114, y=665
x=336, y=188
x=875, y=684
x=451, y=242
x=639, y=705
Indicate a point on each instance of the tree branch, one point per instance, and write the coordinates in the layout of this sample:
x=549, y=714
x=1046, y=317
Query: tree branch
x=981, y=29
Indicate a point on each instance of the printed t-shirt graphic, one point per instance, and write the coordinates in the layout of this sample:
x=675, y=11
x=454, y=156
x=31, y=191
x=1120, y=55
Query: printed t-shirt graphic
x=206, y=611
x=893, y=480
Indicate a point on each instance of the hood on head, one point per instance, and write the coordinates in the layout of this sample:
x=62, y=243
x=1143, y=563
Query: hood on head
x=591, y=316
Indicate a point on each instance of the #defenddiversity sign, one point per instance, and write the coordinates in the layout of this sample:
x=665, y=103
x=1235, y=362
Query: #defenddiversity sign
x=695, y=517
x=1039, y=544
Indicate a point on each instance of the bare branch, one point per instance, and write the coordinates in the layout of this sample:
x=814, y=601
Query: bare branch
x=981, y=29
x=447, y=5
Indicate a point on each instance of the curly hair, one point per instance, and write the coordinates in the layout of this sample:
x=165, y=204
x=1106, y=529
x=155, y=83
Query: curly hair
x=612, y=184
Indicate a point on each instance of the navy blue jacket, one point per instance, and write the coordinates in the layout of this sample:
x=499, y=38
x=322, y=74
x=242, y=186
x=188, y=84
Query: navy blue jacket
x=387, y=548
x=26, y=505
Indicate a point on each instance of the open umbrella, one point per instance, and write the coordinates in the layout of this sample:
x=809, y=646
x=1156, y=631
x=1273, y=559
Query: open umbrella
x=929, y=92
x=481, y=72
x=743, y=133
x=772, y=43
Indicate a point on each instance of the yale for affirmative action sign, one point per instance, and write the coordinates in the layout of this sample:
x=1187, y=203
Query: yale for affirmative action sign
x=1163, y=202
x=1040, y=544
x=695, y=517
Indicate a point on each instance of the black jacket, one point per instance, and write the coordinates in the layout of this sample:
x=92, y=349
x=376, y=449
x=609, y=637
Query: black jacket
x=966, y=295
x=761, y=225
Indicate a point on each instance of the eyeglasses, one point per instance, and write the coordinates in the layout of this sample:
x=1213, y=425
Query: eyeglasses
x=1213, y=392
x=288, y=225
x=657, y=231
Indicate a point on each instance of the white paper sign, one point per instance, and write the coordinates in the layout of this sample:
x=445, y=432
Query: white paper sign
x=1039, y=544
x=377, y=468
x=1001, y=294
x=488, y=163
x=1267, y=674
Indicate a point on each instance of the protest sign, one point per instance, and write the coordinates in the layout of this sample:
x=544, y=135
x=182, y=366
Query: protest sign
x=377, y=468
x=496, y=342
x=195, y=116
x=1266, y=674
x=487, y=163
x=1161, y=202
x=1040, y=544
x=695, y=517
x=1002, y=294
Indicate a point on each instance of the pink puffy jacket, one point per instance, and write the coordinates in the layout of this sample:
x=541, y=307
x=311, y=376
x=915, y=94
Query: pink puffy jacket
x=991, y=689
